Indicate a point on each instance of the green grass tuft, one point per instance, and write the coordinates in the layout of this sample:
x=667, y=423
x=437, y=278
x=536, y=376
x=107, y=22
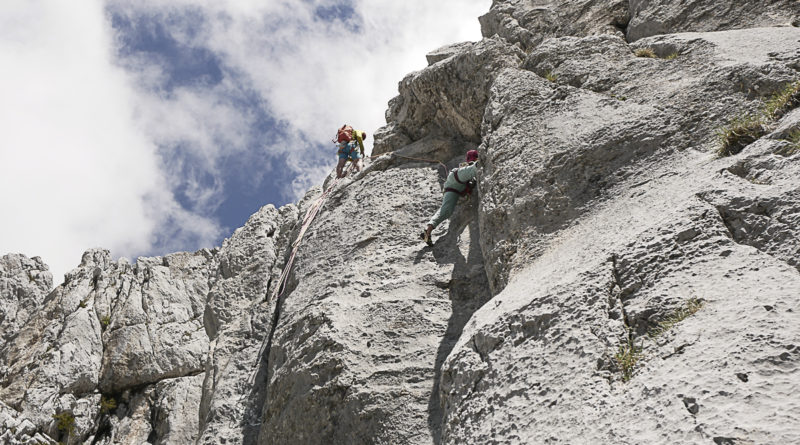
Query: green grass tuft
x=551, y=76
x=741, y=132
x=794, y=144
x=107, y=404
x=105, y=320
x=783, y=101
x=65, y=422
x=645, y=52
x=627, y=357
x=689, y=308
x=744, y=130
x=671, y=56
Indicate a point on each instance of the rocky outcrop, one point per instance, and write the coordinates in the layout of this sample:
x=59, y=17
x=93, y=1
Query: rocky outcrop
x=24, y=282
x=612, y=279
x=651, y=17
x=527, y=23
x=447, y=99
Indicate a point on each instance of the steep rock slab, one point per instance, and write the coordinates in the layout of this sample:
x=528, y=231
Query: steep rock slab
x=370, y=314
x=526, y=23
x=446, y=99
x=24, y=283
x=565, y=146
x=548, y=151
x=537, y=365
x=238, y=321
x=650, y=17
x=700, y=80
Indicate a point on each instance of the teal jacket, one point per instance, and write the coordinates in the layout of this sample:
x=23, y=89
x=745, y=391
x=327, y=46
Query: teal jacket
x=457, y=179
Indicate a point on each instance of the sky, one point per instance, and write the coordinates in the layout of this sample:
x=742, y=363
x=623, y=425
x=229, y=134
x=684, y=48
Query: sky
x=154, y=126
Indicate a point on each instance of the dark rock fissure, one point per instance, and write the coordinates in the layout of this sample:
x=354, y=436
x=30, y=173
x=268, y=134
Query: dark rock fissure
x=259, y=394
x=629, y=335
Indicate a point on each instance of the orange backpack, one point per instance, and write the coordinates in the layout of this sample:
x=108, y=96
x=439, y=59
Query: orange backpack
x=345, y=134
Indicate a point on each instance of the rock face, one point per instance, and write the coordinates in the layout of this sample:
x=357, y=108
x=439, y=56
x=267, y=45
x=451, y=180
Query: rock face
x=24, y=282
x=651, y=17
x=612, y=280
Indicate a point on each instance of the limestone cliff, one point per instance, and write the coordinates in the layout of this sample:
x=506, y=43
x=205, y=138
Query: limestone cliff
x=614, y=279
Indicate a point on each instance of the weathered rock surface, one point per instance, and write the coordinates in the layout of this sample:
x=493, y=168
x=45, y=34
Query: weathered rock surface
x=526, y=23
x=554, y=305
x=24, y=282
x=651, y=17
x=374, y=314
x=446, y=99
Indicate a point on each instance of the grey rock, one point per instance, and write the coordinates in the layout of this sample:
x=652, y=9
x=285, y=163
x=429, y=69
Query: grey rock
x=586, y=267
x=447, y=51
x=527, y=23
x=176, y=409
x=358, y=346
x=650, y=17
x=24, y=283
x=16, y=429
x=601, y=215
x=540, y=356
x=621, y=108
x=238, y=318
x=447, y=98
x=155, y=328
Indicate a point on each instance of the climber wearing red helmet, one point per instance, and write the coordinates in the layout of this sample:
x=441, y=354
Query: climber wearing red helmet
x=459, y=182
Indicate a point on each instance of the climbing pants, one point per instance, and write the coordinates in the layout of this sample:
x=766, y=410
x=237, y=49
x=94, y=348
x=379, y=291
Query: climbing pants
x=449, y=201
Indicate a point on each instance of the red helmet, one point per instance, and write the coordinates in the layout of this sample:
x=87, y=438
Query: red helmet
x=472, y=155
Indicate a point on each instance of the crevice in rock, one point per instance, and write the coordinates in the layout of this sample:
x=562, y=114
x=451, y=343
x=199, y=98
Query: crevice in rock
x=618, y=296
x=259, y=394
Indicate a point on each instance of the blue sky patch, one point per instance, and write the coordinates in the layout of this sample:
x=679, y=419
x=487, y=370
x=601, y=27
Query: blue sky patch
x=151, y=36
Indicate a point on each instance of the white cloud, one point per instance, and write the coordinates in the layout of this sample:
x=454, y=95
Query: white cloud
x=76, y=171
x=80, y=131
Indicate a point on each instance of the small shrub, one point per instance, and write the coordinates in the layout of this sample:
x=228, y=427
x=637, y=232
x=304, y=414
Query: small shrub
x=671, y=56
x=107, y=404
x=627, y=357
x=105, y=320
x=741, y=132
x=783, y=101
x=551, y=76
x=688, y=309
x=83, y=302
x=794, y=144
x=645, y=52
x=620, y=98
x=65, y=422
x=746, y=129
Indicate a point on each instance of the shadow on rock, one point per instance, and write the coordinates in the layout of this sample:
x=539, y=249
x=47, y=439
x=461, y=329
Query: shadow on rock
x=468, y=289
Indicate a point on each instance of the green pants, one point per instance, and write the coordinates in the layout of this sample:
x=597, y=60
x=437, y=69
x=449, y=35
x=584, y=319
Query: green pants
x=449, y=201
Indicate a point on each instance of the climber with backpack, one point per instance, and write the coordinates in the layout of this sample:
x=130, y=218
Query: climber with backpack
x=350, y=144
x=460, y=182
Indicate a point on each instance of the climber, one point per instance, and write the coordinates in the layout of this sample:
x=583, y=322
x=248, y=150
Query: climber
x=350, y=145
x=459, y=182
